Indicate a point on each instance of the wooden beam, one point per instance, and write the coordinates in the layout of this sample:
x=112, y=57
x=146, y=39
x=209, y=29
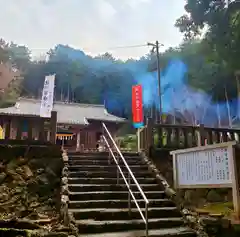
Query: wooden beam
x=53, y=127
x=41, y=135
x=19, y=129
x=30, y=127
x=8, y=128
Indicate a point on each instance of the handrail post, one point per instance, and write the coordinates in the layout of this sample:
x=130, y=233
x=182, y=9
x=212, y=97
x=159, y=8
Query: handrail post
x=139, y=140
x=109, y=157
x=129, y=195
x=146, y=217
x=150, y=135
x=117, y=169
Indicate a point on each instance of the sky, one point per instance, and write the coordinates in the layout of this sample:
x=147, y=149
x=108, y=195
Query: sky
x=95, y=26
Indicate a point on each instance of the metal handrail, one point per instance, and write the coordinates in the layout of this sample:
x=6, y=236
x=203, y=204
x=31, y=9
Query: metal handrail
x=130, y=175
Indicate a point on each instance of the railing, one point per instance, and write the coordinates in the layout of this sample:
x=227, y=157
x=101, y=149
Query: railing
x=128, y=179
x=183, y=136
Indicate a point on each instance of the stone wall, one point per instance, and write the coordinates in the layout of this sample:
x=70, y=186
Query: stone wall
x=30, y=186
x=163, y=161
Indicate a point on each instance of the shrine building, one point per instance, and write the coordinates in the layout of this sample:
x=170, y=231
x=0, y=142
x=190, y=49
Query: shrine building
x=79, y=126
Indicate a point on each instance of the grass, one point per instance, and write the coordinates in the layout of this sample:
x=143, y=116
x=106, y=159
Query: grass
x=225, y=208
x=128, y=141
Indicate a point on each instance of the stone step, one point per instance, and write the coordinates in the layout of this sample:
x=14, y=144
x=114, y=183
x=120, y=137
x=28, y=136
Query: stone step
x=130, y=154
x=106, y=168
x=172, y=232
x=100, y=180
x=103, y=156
x=9, y=232
x=100, y=154
x=102, y=214
x=111, y=195
x=106, y=159
x=79, y=153
x=92, y=226
x=119, y=203
x=100, y=206
x=99, y=157
x=111, y=187
x=104, y=162
x=107, y=174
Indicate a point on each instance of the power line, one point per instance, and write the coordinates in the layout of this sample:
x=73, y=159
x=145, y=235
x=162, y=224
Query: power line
x=106, y=49
x=129, y=46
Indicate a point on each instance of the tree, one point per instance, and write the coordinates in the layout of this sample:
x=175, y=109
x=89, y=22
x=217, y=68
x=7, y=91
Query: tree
x=106, y=56
x=4, y=54
x=221, y=19
x=103, y=79
x=19, y=56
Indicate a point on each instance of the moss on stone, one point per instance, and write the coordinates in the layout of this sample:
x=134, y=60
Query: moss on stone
x=225, y=208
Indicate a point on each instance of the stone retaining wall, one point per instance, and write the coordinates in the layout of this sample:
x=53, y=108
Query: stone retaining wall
x=33, y=190
x=68, y=219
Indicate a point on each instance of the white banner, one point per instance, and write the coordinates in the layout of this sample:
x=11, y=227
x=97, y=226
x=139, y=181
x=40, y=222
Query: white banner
x=47, y=97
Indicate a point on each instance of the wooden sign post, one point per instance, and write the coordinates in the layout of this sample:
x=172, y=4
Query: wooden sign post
x=139, y=137
x=211, y=166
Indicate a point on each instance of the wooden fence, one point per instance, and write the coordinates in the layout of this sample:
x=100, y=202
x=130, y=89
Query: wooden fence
x=39, y=130
x=166, y=136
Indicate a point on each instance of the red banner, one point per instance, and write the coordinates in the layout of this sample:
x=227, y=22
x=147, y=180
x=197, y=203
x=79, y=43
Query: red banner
x=137, y=104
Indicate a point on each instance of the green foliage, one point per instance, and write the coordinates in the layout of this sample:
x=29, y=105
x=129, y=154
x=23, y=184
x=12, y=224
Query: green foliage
x=4, y=55
x=221, y=20
x=128, y=141
x=17, y=55
x=213, y=196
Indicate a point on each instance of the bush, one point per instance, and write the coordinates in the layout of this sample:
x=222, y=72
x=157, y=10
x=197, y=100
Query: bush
x=128, y=141
x=214, y=196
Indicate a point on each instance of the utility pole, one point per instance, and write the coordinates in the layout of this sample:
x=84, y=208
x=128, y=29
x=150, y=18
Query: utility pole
x=237, y=77
x=156, y=46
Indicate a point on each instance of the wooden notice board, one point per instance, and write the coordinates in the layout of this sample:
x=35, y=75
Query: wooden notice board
x=211, y=166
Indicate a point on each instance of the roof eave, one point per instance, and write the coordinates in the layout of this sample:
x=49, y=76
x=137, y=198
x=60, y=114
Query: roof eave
x=19, y=115
x=107, y=120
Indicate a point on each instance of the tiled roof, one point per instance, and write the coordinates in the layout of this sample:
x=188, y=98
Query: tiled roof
x=68, y=113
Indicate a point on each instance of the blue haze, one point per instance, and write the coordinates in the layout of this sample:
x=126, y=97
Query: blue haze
x=176, y=94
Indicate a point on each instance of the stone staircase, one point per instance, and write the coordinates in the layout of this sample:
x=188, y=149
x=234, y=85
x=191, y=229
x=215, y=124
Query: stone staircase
x=100, y=206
